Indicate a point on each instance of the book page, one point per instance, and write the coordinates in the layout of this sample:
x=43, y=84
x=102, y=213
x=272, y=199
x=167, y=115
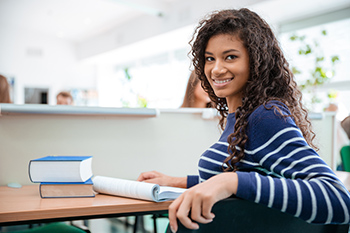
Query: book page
x=169, y=193
x=126, y=188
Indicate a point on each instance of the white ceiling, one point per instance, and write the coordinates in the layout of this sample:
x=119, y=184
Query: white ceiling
x=78, y=20
x=74, y=20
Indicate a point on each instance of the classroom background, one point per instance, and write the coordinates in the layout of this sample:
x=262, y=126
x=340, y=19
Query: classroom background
x=134, y=54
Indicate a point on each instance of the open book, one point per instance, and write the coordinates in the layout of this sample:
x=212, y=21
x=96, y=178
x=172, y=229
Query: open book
x=135, y=189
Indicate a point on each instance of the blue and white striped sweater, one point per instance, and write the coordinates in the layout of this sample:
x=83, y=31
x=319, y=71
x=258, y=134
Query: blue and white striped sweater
x=280, y=170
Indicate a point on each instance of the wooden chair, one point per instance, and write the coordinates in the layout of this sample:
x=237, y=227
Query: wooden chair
x=240, y=216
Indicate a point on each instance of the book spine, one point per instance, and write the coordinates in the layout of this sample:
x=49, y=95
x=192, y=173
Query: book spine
x=30, y=177
x=40, y=191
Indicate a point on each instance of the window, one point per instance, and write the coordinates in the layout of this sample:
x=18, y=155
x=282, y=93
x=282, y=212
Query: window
x=335, y=42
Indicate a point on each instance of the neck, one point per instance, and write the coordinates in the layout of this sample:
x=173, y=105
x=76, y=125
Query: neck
x=233, y=105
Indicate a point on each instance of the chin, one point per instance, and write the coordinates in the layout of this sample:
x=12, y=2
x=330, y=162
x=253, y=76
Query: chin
x=220, y=95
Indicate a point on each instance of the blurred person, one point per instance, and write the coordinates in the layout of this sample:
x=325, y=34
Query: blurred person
x=341, y=137
x=64, y=98
x=195, y=96
x=345, y=124
x=4, y=90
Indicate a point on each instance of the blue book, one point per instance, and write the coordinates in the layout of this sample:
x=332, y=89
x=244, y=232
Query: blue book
x=60, y=169
x=66, y=189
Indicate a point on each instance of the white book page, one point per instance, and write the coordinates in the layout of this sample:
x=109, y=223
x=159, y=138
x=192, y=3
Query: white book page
x=126, y=188
x=169, y=193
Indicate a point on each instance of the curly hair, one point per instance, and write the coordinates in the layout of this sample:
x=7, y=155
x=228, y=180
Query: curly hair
x=270, y=77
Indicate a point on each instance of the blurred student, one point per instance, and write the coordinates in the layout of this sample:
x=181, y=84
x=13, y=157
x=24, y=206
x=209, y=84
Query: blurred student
x=4, y=90
x=195, y=96
x=345, y=124
x=64, y=98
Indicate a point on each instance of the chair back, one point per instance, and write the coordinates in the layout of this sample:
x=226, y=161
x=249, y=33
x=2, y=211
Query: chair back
x=241, y=216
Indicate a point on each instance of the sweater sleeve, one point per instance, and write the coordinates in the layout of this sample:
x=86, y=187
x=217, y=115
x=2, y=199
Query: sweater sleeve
x=291, y=176
x=192, y=180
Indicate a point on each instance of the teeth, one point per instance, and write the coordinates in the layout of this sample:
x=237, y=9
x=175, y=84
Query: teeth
x=222, y=81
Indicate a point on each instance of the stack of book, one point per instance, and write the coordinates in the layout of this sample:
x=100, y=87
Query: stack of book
x=63, y=176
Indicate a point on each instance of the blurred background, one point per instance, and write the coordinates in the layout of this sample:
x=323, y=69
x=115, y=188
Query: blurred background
x=134, y=53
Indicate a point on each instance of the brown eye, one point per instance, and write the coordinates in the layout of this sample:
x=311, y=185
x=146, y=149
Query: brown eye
x=209, y=59
x=231, y=57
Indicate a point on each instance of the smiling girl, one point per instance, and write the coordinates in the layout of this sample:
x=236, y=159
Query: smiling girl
x=265, y=153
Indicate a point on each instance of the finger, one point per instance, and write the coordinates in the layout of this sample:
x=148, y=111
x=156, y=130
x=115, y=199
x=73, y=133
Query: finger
x=184, y=210
x=197, y=211
x=141, y=177
x=146, y=176
x=207, y=206
x=172, y=213
x=153, y=181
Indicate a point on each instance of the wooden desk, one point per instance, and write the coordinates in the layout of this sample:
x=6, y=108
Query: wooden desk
x=24, y=205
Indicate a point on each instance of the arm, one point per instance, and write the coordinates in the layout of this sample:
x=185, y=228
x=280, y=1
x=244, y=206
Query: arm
x=200, y=200
x=285, y=174
x=299, y=181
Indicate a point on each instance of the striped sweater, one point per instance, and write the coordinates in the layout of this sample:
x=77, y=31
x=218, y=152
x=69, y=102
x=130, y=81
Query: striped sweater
x=280, y=170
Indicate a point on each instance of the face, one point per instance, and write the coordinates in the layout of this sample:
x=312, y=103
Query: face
x=227, y=68
x=61, y=100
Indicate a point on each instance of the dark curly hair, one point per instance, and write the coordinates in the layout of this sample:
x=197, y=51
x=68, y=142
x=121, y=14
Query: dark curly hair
x=270, y=77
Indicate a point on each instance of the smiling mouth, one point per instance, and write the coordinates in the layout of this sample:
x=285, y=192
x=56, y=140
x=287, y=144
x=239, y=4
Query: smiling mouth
x=222, y=81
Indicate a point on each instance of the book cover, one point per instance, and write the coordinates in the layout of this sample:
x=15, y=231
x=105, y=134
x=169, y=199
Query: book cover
x=65, y=190
x=60, y=169
x=135, y=189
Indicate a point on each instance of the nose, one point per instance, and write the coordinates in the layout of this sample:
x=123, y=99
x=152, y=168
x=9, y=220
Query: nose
x=219, y=68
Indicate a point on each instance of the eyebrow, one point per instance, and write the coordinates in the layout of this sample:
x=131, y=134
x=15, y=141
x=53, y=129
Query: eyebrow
x=225, y=52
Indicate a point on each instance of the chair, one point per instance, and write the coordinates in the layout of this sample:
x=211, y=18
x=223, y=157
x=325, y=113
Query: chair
x=241, y=216
x=57, y=227
x=345, y=157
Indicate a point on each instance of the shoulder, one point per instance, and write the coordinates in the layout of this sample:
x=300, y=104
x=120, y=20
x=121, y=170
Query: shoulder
x=271, y=120
x=270, y=107
x=271, y=110
x=272, y=116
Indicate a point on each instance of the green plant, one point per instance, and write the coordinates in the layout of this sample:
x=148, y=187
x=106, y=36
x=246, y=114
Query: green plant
x=132, y=99
x=323, y=69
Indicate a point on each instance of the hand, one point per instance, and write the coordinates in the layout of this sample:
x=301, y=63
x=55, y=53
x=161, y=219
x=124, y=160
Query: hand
x=200, y=199
x=161, y=179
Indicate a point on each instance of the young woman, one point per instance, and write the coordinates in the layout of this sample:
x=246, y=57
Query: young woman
x=265, y=153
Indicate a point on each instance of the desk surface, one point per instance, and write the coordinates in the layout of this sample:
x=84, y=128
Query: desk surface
x=25, y=205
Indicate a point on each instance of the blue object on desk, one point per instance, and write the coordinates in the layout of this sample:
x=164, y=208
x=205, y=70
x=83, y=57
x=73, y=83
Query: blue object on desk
x=14, y=185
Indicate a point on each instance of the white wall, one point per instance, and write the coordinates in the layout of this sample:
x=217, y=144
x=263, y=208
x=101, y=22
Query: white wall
x=121, y=146
x=36, y=60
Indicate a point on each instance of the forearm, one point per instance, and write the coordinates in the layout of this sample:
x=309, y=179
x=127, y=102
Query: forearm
x=180, y=182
